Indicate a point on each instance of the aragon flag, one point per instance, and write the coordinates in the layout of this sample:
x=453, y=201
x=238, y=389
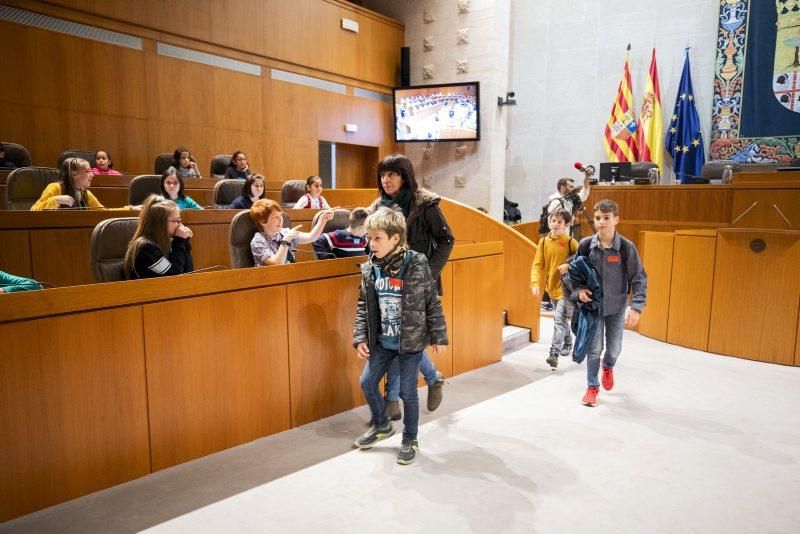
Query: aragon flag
x=620, y=133
x=651, y=124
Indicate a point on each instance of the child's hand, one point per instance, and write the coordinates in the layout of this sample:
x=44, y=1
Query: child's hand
x=437, y=349
x=362, y=351
x=327, y=215
x=65, y=200
x=563, y=268
x=535, y=291
x=293, y=234
x=193, y=165
x=632, y=317
x=184, y=232
x=583, y=295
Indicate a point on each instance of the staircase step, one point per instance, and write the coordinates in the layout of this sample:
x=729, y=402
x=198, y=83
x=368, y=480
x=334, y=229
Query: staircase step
x=515, y=337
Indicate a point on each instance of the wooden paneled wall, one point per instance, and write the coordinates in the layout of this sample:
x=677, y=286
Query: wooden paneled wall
x=137, y=104
x=257, y=351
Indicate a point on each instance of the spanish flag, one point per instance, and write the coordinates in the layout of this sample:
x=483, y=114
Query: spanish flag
x=620, y=133
x=651, y=126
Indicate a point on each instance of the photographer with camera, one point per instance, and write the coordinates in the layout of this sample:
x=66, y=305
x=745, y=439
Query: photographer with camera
x=569, y=198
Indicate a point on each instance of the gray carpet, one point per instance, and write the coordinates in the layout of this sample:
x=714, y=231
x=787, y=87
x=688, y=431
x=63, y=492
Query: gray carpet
x=686, y=442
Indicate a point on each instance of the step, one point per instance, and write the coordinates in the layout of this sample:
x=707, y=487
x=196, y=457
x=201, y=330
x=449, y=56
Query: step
x=515, y=337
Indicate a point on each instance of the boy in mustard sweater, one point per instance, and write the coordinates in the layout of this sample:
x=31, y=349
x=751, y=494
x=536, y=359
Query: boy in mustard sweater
x=551, y=257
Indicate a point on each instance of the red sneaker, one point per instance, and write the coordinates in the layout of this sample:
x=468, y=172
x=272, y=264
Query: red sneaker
x=608, y=379
x=590, y=398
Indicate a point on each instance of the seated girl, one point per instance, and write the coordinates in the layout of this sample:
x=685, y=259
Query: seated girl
x=238, y=167
x=184, y=164
x=273, y=244
x=161, y=244
x=252, y=190
x=172, y=189
x=71, y=190
x=313, y=198
x=103, y=164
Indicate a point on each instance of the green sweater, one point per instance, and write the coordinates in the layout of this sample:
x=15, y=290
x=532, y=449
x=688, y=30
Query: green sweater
x=10, y=283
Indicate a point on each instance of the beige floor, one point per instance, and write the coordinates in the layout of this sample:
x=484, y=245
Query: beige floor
x=687, y=442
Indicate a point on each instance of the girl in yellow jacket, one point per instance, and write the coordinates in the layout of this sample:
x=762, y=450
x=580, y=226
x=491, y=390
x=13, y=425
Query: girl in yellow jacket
x=72, y=189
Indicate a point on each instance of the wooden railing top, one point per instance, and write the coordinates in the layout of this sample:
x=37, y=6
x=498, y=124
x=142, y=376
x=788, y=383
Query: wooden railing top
x=74, y=299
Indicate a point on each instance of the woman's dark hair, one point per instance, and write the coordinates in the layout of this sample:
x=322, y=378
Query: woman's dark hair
x=233, y=158
x=246, y=191
x=176, y=156
x=166, y=174
x=401, y=165
x=108, y=155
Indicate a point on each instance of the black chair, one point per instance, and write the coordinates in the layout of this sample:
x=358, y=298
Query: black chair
x=162, y=163
x=220, y=164
x=225, y=191
x=291, y=191
x=642, y=169
x=109, y=243
x=340, y=221
x=143, y=186
x=24, y=186
x=83, y=154
x=17, y=154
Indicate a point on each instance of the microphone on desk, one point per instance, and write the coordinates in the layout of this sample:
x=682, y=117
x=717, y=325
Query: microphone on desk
x=211, y=268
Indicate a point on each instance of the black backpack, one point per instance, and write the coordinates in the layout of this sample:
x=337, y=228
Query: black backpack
x=544, y=224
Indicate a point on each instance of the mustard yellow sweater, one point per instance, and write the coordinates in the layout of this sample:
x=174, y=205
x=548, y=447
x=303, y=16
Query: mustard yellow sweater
x=47, y=202
x=551, y=253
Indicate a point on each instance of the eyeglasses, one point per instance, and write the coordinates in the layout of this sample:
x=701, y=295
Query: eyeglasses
x=179, y=221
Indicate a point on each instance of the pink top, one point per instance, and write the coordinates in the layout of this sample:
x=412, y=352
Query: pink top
x=111, y=172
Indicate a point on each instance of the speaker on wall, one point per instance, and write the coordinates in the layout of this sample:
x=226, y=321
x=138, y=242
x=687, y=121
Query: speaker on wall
x=405, y=66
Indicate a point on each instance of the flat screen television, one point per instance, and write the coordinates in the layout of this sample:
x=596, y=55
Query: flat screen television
x=442, y=112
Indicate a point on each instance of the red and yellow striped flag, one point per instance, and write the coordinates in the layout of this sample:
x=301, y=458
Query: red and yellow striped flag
x=651, y=125
x=620, y=133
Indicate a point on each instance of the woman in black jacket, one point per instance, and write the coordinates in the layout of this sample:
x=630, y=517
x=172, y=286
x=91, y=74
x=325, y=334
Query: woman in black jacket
x=427, y=232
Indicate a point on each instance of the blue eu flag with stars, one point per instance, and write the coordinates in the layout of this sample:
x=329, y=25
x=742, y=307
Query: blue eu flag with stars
x=684, y=140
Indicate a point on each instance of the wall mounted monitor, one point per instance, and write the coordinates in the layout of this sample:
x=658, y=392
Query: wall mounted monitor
x=443, y=112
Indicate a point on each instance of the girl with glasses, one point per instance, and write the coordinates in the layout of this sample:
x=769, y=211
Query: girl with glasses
x=161, y=244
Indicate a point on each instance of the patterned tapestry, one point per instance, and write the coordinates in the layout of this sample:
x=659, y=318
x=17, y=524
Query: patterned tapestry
x=756, y=116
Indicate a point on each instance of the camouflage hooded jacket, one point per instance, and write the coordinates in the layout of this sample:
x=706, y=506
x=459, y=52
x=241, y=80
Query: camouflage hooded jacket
x=422, y=319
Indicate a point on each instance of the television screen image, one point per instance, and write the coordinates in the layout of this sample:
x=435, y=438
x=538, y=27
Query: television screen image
x=447, y=112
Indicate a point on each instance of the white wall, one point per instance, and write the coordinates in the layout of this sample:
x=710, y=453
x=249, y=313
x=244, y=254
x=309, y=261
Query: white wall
x=488, y=22
x=567, y=58
x=564, y=59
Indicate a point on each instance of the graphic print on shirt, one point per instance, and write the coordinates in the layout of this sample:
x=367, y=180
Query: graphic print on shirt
x=390, y=302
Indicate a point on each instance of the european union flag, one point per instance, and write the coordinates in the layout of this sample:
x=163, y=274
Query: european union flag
x=684, y=139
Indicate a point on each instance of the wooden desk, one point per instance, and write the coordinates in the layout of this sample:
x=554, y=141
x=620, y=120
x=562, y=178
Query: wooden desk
x=167, y=370
x=723, y=296
x=54, y=246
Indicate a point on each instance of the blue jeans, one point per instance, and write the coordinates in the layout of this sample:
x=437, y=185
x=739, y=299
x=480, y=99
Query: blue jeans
x=426, y=367
x=611, y=327
x=378, y=363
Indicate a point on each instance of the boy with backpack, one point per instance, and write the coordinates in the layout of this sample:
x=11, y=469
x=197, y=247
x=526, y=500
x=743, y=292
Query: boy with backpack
x=619, y=270
x=552, y=253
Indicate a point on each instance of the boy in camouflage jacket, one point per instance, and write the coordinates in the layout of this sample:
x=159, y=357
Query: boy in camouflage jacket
x=399, y=315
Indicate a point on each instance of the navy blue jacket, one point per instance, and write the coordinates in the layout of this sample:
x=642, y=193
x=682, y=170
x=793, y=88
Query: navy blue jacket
x=584, y=323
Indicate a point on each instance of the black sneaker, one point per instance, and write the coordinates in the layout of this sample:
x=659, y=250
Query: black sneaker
x=374, y=435
x=566, y=350
x=435, y=392
x=408, y=451
x=552, y=360
x=393, y=410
